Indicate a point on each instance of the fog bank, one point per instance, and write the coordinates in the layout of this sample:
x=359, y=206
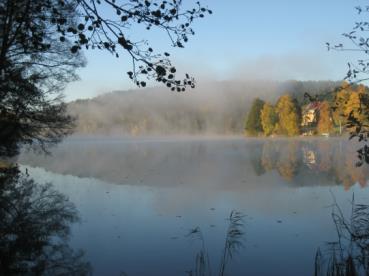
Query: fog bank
x=211, y=108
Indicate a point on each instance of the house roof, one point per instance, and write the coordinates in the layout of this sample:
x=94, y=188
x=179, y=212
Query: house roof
x=313, y=105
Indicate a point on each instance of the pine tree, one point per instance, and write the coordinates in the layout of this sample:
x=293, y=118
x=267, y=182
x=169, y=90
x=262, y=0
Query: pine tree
x=269, y=119
x=253, y=122
x=288, y=116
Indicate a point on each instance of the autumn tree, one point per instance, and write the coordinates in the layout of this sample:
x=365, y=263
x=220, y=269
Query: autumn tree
x=288, y=116
x=325, y=124
x=340, y=102
x=351, y=109
x=354, y=106
x=357, y=72
x=253, y=121
x=268, y=118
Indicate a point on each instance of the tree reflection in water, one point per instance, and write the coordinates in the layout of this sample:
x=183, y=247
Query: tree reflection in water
x=349, y=255
x=335, y=160
x=34, y=228
x=233, y=242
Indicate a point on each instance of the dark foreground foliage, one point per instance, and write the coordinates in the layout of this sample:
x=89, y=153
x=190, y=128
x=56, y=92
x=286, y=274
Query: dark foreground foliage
x=41, y=45
x=349, y=255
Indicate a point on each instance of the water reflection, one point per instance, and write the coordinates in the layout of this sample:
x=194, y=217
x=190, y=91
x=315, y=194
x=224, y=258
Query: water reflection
x=349, y=255
x=159, y=162
x=335, y=160
x=139, y=198
x=34, y=228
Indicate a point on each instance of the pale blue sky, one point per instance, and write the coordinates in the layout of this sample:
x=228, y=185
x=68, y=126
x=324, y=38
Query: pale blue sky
x=265, y=39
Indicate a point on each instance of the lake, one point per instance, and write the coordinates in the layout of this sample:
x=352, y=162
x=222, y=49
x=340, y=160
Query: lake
x=162, y=206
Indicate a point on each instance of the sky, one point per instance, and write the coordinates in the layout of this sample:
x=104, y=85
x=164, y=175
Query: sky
x=242, y=39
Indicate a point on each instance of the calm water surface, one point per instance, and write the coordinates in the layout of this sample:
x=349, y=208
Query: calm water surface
x=139, y=199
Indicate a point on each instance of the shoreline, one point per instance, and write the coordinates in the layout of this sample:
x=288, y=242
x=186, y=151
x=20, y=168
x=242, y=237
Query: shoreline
x=152, y=138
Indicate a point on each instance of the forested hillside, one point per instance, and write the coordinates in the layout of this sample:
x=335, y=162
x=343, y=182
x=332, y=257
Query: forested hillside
x=213, y=108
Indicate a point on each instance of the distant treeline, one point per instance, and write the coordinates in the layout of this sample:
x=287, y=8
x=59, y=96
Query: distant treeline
x=218, y=108
x=324, y=114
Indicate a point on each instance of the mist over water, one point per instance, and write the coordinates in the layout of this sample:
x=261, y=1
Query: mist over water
x=213, y=108
x=236, y=146
x=173, y=162
x=139, y=198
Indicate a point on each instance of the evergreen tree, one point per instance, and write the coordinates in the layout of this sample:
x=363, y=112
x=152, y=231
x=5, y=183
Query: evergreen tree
x=325, y=124
x=288, y=116
x=253, y=122
x=269, y=119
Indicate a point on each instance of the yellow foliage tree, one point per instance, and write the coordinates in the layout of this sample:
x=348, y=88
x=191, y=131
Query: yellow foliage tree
x=325, y=124
x=268, y=118
x=354, y=106
x=340, y=103
x=288, y=116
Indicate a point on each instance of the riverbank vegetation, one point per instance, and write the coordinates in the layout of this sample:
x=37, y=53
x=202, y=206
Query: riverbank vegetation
x=332, y=113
